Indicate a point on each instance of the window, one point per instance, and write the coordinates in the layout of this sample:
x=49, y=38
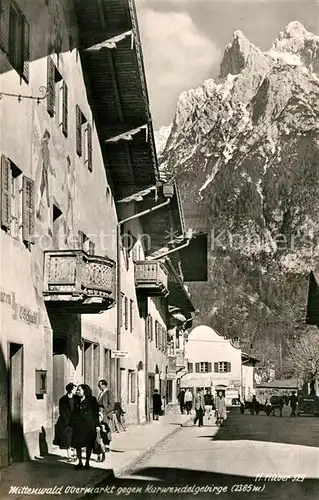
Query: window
x=149, y=327
x=83, y=138
x=107, y=365
x=57, y=100
x=222, y=367
x=157, y=340
x=126, y=312
x=91, y=363
x=131, y=315
x=17, y=202
x=85, y=243
x=190, y=367
x=15, y=37
x=121, y=304
x=203, y=367
x=133, y=386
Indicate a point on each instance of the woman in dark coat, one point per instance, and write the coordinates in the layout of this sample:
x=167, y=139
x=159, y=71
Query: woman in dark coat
x=157, y=404
x=63, y=430
x=84, y=421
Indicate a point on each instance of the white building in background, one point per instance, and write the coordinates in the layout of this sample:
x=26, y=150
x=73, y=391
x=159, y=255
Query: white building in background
x=248, y=380
x=214, y=363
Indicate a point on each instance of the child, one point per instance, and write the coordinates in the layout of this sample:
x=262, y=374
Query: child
x=103, y=439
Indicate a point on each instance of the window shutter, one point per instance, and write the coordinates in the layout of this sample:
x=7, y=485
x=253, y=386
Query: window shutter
x=131, y=315
x=4, y=25
x=209, y=367
x=151, y=327
x=120, y=306
x=89, y=139
x=65, y=109
x=80, y=239
x=28, y=210
x=190, y=367
x=51, y=86
x=133, y=387
x=215, y=367
x=228, y=366
x=78, y=130
x=5, y=193
x=126, y=312
x=25, y=48
x=197, y=367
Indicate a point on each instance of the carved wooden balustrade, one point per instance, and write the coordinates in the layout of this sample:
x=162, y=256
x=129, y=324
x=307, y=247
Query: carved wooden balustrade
x=151, y=278
x=78, y=281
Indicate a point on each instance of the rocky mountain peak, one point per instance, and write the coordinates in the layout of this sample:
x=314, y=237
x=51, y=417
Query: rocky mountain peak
x=245, y=152
x=237, y=54
x=299, y=42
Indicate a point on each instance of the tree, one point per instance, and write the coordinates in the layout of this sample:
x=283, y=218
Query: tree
x=303, y=358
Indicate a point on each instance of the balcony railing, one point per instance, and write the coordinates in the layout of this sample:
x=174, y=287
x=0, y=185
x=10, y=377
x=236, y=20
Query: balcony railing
x=78, y=281
x=151, y=278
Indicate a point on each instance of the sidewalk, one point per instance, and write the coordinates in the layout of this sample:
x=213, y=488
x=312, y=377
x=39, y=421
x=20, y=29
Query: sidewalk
x=127, y=449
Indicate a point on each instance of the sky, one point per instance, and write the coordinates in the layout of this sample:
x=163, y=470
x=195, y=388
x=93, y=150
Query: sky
x=183, y=40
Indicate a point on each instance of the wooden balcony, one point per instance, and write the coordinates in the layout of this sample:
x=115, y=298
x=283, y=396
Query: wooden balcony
x=76, y=281
x=151, y=278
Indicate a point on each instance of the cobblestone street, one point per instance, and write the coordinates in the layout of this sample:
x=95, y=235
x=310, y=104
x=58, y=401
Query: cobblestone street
x=251, y=457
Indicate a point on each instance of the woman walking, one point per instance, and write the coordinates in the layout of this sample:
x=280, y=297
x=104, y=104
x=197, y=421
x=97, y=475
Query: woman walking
x=157, y=405
x=221, y=408
x=63, y=430
x=188, y=401
x=84, y=421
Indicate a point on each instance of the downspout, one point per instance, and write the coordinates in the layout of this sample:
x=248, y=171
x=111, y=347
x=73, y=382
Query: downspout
x=118, y=289
x=160, y=257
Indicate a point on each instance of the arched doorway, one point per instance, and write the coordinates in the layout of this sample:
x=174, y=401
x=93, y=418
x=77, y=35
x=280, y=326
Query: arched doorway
x=140, y=393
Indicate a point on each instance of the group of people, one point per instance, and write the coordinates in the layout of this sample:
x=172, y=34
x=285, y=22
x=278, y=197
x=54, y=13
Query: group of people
x=275, y=402
x=85, y=422
x=203, y=403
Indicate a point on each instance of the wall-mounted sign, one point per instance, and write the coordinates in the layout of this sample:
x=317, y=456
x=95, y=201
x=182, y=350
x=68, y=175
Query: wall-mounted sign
x=119, y=354
x=20, y=312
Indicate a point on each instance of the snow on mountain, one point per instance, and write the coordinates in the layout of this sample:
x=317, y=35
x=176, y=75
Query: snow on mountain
x=161, y=137
x=245, y=151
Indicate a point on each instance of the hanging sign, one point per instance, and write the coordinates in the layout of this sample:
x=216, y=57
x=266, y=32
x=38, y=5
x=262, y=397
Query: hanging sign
x=119, y=354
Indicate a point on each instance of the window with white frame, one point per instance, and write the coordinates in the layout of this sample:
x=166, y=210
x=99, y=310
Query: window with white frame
x=203, y=367
x=83, y=138
x=222, y=367
x=57, y=99
x=131, y=387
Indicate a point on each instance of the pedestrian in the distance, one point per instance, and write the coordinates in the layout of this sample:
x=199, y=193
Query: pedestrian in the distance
x=293, y=404
x=181, y=400
x=199, y=408
x=221, y=408
x=106, y=402
x=84, y=422
x=188, y=401
x=254, y=406
x=63, y=430
x=157, y=404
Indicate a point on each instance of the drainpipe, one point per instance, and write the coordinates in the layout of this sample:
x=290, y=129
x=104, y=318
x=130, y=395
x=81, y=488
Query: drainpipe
x=160, y=257
x=118, y=289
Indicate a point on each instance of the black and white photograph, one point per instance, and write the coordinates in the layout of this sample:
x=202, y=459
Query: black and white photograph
x=159, y=242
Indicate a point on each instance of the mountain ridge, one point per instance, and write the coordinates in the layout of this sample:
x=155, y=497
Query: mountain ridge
x=245, y=152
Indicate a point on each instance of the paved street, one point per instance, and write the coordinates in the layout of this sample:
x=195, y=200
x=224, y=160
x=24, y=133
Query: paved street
x=231, y=462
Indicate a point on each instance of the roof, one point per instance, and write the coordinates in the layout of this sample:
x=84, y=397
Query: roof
x=291, y=383
x=247, y=359
x=313, y=298
x=178, y=294
x=117, y=91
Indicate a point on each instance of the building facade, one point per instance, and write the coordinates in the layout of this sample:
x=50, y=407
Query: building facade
x=214, y=364
x=80, y=287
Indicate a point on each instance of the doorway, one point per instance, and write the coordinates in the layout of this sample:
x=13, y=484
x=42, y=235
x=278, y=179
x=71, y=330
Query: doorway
x=140, y=393
x=15, y=397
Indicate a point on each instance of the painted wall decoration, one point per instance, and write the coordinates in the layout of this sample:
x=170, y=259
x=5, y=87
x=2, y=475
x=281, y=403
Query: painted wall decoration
x=69, y=187
x=42, y=183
